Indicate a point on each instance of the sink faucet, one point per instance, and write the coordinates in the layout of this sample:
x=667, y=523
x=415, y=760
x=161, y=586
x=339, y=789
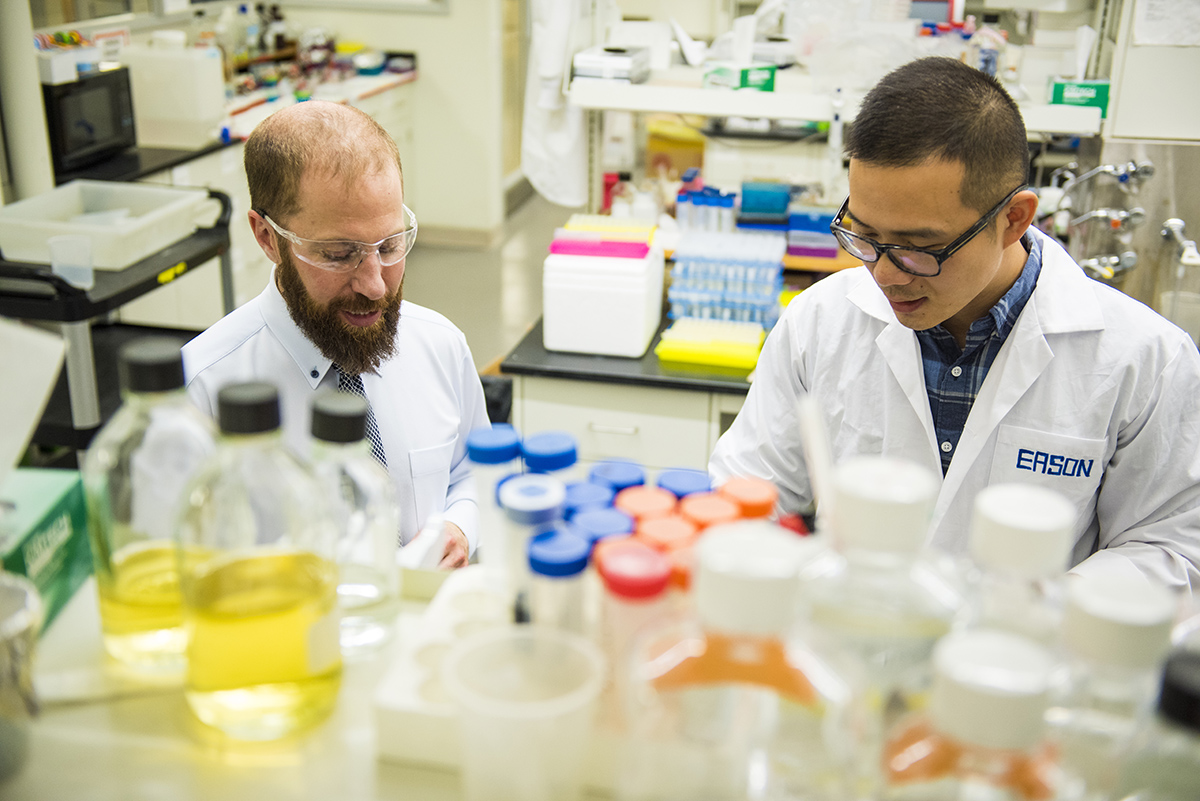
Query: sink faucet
x=1117, y=218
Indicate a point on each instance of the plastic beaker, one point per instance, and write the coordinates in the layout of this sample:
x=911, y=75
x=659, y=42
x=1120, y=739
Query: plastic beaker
x=20, y=621
x=526, y=698
x=71, y=259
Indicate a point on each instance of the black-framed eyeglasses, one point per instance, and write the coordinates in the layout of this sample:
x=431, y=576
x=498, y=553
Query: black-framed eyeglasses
x=924, y=262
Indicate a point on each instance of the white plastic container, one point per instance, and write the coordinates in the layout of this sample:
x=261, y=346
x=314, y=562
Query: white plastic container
x=125, y=221
x=606, y=306
x=526, y=699
x=178, y=94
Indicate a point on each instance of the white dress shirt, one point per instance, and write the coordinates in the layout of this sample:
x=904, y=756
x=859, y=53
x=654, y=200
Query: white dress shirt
x=426, y=398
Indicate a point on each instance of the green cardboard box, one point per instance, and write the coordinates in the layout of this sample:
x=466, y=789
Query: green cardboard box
x=731, y=76
x=1064, y=92
x=43, y=533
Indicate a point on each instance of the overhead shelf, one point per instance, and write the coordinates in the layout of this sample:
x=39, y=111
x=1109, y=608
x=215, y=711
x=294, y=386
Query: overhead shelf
x=677, y=91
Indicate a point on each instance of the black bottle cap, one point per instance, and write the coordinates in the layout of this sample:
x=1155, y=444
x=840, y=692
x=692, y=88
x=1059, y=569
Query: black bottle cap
x=151, y=364
x=624, y=176
x=249, y=408
x=1180, y=698
x=339, y=417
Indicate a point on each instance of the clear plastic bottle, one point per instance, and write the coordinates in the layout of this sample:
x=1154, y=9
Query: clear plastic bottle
x=1021, y=538
x=259, y=579
x=134, y=474
x=1164, y=763
x=1116, y=634
x=728, y=703
x=982, y=738
x=878, y=592
x=362, y=500
x=557, y=559
x=532, y=502
x=493, y=452
x=683, y=210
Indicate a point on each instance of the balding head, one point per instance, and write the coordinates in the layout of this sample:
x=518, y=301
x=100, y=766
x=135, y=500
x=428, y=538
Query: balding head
x=329, y=140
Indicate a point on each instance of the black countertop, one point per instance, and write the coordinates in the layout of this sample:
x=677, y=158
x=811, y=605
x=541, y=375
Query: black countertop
x=530, y=358
x=135, y=163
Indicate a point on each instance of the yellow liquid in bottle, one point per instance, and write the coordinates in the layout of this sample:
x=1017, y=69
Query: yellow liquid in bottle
x=263, y=657
x=141, y=610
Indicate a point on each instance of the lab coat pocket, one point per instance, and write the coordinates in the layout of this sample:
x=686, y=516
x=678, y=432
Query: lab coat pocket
x=430, y=470
x=1072, y=466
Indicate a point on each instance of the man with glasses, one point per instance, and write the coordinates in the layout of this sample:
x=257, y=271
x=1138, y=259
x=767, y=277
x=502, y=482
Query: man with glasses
x=971, y=343
x=327, y=196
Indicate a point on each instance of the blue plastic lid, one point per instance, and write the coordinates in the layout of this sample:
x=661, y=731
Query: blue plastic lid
x=690, y=174
x=727, y=201
x=617, y=475
x=583, y=495
x=558, y=551
x=496, y=445
x=548, y=450
x=683, y=482
x=596, y=524
x=500, y=483
x=532, y=499
x=684, y=196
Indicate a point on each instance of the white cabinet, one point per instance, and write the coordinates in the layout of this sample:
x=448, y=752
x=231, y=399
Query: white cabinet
x=655, y=426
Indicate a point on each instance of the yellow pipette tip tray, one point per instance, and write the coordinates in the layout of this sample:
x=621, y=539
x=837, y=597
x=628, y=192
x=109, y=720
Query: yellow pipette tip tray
x=722, y=343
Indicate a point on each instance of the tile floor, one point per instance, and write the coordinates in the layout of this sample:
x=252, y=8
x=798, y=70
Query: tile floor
x=493, y=295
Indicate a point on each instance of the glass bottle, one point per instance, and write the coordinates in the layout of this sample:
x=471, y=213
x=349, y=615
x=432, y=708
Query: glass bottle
x=259, y=579
x=1164, y=763
x=1116, y=633
x=134, y=474
x=878, y=593
x=728, y=703
x=362, y=499
x=982, y=738
x=1021, y=538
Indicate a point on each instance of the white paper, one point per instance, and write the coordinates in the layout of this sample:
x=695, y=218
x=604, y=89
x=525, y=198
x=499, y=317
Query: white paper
x=30, y=360
x=1166, y=22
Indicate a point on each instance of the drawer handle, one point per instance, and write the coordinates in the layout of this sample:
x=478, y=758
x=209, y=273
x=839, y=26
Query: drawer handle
x=628, y=431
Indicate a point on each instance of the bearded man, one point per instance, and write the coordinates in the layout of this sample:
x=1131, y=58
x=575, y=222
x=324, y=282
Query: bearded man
x=327, y=197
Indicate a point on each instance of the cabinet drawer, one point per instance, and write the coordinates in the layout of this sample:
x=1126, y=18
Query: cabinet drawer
x=657, y=427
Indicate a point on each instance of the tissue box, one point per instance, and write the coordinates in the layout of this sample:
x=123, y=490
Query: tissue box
x=43, y=533
x=1067, y=92
x=760, y=77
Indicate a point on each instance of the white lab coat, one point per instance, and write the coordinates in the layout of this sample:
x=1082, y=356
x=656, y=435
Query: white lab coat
x=1092, y=394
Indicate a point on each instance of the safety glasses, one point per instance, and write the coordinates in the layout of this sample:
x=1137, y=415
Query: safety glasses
x=924, y=262
x=344, y=255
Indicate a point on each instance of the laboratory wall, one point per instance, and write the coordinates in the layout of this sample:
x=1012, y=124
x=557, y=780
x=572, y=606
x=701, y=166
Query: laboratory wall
x=457, y=133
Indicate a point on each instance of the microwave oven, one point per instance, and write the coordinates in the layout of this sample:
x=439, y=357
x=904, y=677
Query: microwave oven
x=90, y=119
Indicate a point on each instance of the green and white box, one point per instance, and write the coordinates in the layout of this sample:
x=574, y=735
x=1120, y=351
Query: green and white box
x=1067, y=92
x=760, y=77
x=43, y=533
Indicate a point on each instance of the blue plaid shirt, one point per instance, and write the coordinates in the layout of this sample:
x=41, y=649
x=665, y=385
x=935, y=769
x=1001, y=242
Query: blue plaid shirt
x=952, y=376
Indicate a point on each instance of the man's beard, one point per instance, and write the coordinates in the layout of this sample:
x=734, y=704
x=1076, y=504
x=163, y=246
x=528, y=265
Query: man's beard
x=355, y=350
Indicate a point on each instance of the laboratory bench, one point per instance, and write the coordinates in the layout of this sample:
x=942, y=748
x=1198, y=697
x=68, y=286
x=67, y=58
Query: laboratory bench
x=656, y=413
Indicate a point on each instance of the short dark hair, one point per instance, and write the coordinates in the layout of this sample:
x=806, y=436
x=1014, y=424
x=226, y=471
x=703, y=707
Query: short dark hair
x=940, y=108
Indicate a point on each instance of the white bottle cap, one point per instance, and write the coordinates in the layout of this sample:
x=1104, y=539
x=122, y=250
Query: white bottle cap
x=748, y=577
x=1118, y=621
x=990, y=688
x=1023, y=529
x=883, y=504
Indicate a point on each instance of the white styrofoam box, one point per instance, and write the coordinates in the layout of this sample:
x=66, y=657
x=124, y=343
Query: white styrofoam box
x=605, y=306
x=415, y=720
x=126, y=221
x=62, y=65
x=178, y=94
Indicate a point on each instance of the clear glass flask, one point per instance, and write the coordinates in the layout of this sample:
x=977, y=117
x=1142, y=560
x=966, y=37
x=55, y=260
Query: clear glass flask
x=362, y=500
x=134, y=475
x=1116, y=633
x=1021, y=538
x=729, y=703
x=259, y=579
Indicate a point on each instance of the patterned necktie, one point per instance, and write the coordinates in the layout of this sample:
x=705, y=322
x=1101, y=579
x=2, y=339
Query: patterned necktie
x=354, y=385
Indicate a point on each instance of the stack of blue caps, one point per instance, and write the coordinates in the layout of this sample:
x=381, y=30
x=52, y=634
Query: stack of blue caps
x=558, y=551
x=683, y=481
x=582, y=495
x=617, y=475
x=548, y=450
